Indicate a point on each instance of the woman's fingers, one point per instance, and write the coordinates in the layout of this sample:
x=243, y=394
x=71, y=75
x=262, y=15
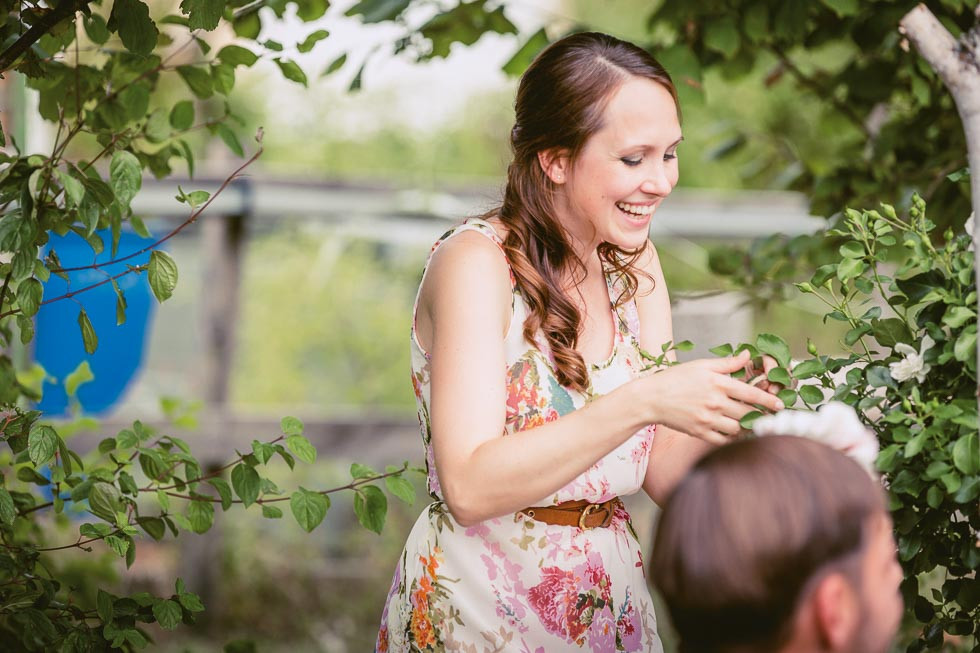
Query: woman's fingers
x=730, y=364
x=747, y=394
x=713, y=437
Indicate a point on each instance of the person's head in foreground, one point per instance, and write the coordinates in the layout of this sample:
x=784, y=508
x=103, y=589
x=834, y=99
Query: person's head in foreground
x=778, y=544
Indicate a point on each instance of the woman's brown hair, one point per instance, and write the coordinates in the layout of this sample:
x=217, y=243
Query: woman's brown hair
x=560, y=104
x=746, y=533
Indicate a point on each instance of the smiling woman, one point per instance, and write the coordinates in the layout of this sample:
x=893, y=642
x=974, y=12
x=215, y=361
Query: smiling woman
x=529, y=369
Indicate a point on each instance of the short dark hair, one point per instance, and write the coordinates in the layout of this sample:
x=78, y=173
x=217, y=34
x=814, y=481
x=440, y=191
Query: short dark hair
x=747, y=529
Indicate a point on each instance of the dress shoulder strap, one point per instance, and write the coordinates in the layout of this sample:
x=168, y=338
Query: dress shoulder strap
x=481, y=227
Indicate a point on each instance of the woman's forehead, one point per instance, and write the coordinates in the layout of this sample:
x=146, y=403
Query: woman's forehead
x=641, y=111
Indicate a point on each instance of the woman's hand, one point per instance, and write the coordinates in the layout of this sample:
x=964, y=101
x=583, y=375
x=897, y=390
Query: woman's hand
x=761, y=379
x=700, y=398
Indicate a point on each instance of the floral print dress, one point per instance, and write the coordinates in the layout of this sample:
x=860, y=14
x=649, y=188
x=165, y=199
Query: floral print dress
x=512, y=583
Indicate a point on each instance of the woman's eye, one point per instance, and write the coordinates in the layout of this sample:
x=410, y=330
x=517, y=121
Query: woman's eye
x=668, y=157
x=631, y=162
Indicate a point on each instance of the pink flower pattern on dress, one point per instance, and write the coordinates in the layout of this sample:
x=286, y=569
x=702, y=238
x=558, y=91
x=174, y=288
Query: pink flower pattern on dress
x=511, y=583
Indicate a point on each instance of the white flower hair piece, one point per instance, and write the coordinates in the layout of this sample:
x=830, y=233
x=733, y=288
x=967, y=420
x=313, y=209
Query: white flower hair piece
x=834, y=424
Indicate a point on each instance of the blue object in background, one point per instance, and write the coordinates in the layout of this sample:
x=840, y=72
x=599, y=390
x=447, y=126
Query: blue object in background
x=58, y=343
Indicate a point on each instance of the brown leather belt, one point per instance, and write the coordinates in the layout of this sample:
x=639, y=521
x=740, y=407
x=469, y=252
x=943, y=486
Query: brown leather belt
x=579, y=513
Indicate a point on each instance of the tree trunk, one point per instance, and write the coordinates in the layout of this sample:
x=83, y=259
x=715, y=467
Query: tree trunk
x=957, y=64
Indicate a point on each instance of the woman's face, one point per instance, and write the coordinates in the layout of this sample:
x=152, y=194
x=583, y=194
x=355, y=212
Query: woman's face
x=610, y=192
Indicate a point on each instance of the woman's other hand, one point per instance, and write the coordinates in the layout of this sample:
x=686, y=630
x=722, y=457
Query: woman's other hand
x=702, y=399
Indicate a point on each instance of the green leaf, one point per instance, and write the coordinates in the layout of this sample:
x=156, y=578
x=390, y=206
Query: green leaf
x=74, y=190
x=7, y=509
x=224, y=491
x=371, y=507
x=312, y=40
x=200, y=515
x=198, y=80
x=125, y=176
x=842, y=7
x=890, y=331
x=41, y=443
x=377, y=11
x=163, y=275
x=966, y=344
x=401, y=488
x=131, y=18
x=357, y=470
x=309, y=508
x=191, y=602
x=521, y=59
x=811, y=394
x=105, y=501
x=80, y=375
x=966, y=454
x=302, y=447
x=167, y=613
x=291, y=70
x=235, y=55
x=271, y=512
x=335, y=65
x=26, y=326
x=246, y=482
x=29, y=295
x=780, y=375
x=203, y=14
x=182, y=115
x=755, y=22
x=722, y=350
x=788, y=396
x=957, y=316
x=775, y=347
x=809, y=368
x=96, y=29
x=879, y=377
x=852, y=249
x=721, y=35
x=915, y=445
x=224, y=78
x=103, y=602
x=229, y=137
x=969, y=491
x=850, y=268
x=291, y=426
x=154, y=526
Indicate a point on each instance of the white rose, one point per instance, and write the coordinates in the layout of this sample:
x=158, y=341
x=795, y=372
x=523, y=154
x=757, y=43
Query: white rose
x=969, y=230
x=835, y=424
x=914, y=364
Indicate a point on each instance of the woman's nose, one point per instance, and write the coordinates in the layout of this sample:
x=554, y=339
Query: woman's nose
x=657, y=183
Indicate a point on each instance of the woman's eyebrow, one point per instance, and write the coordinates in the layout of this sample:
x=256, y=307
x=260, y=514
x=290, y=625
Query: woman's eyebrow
x=647, y=146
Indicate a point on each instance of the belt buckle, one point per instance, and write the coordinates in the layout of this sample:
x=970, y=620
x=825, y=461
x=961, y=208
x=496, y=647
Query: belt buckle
x=586, y=511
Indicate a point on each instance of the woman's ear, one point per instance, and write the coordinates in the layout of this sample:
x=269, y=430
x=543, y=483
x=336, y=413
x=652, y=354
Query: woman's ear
x=555, y=164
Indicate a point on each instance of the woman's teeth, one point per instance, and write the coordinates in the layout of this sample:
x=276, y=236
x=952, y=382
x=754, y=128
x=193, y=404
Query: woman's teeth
x=636, y=209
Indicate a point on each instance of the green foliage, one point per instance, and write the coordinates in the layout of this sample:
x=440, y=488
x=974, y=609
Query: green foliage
x=140, y=481
x=102, y=87
x=910, y=372
x=858, y=93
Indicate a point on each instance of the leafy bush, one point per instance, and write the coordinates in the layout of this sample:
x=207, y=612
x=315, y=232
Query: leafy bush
x=910, y=372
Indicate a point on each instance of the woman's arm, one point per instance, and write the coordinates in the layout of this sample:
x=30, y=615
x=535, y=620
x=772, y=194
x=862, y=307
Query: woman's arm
x=464, y=310
x=672, y=452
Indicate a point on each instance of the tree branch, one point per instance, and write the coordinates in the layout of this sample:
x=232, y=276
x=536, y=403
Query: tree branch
x=44, y=24
x=956, y=64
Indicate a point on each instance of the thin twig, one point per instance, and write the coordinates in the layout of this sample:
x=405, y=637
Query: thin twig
x=194, y=215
